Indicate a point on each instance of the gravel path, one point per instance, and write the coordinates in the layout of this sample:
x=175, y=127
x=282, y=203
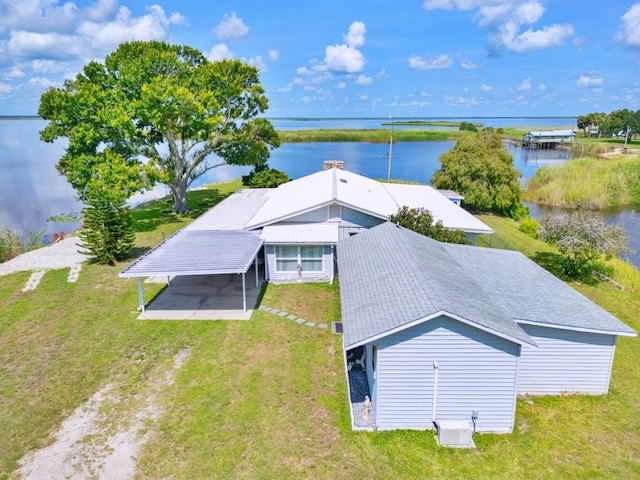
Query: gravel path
x=102, y=438
x=63, y=254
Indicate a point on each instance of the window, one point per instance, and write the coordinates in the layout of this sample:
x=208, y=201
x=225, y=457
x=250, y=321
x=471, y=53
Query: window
x=308, y=256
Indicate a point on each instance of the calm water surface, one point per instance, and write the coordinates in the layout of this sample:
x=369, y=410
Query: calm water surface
x=31, y=190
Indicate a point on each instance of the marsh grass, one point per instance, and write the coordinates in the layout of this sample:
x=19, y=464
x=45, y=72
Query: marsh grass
x=369, y=135
x=586, y=182
x=267, y=398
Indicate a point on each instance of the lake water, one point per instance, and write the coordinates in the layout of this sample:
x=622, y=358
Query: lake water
x=31, y=190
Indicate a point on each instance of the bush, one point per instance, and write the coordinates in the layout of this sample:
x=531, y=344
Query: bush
x=262, y=176
x=10, y=244
x=529, y=226
x=469, y=127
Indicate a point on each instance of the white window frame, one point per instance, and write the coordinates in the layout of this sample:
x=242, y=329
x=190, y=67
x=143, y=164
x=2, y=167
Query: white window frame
x=299, y=258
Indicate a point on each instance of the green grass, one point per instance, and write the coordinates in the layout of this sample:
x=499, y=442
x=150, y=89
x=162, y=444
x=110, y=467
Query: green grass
x=589, y=182
x=369, y=135
x=267, y=398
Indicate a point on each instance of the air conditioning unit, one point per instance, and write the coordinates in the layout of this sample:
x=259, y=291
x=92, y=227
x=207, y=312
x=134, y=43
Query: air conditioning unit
x=454, y=433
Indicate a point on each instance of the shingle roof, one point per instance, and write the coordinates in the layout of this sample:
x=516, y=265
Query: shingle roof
x=194, y=252
x=391, y=277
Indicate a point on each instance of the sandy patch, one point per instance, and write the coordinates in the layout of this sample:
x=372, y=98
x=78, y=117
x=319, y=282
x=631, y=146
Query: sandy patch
x=63, y=254
x=102, y=437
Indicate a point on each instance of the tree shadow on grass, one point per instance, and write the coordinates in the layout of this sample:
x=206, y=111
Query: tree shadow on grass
x=552, y=262
x=153, y=215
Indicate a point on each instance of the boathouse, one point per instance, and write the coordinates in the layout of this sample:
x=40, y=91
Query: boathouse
x=548, y=138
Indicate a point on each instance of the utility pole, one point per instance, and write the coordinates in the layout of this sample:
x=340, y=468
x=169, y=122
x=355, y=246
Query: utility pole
x=390, y=152
x=626, y=137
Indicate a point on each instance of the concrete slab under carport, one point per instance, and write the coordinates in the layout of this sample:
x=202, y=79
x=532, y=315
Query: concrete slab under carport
x=203, y=297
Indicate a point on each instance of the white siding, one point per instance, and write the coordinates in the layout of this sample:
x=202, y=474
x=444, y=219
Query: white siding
x=292, y=277
x=359, y=218
x=319, y=215
x=565, y=361
x=477, y=371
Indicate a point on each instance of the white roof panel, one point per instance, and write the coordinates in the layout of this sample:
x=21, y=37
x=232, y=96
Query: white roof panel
x=451, y=215
x=234, y=212
x=211, y=252
x=313, y=233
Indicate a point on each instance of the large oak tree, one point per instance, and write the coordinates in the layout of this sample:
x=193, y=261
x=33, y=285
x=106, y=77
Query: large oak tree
x=164, y=106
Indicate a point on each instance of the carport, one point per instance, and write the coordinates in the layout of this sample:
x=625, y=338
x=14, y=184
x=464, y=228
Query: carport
x=199, y=252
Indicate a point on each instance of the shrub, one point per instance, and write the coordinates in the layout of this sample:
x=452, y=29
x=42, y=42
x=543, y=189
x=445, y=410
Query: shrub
x=529, y=226
x=10, y=244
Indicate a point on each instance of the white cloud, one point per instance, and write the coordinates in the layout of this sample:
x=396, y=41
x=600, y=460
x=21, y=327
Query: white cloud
x=363, y=97
x=382, y=74
x=257, y=62
x=47, y=66
x=364, y=80
x=125, y=27
x=345, y=58
x=288, y=88
x=310, y=88
x=510, y=23
x=542, y=87
x=426, y=63
x=342, y=59
x=218, y=52
x=274, y=54
x=585, y=81
x=42, y=82
x=15, y=72
x=231, y=28
x=355, y=37
x=5, y=87
x=102, y=10
x=530, y=40
x=629, y=32
x=486, y=88
x=23, y=44
x=466, y=64
x=525, y=85
x=341, y=85
x=178, y=19
x=306, y=99
x=305, y=71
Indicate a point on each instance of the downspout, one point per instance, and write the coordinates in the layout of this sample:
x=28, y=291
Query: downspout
x=333, y=267
x=436, y=367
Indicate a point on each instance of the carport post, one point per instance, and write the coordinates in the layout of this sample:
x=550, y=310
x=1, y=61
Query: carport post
x=255, y=262
x=244, y=293
x=140, y=295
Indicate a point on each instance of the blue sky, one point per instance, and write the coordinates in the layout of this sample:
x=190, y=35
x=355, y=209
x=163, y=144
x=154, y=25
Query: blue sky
x=355, y=58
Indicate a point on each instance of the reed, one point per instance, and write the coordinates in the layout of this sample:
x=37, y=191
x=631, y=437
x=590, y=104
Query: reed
x=379, y=135
x=587, y=182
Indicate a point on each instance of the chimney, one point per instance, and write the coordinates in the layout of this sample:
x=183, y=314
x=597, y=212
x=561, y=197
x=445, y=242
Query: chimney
x=327, y=164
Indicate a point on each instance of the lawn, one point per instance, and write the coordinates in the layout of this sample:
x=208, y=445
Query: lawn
x=267, y=398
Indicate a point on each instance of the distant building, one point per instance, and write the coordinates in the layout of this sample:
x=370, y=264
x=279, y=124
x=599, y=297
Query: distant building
x=548, y=138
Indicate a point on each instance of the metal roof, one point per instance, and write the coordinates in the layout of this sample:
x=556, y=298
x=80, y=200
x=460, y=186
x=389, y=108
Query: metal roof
x=391, y=277
x=362, y=194
x=195, y=252
x=232, y=213
x=313, y=233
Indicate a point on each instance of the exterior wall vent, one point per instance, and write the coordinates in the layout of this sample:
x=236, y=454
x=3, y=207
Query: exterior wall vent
x=454, y=433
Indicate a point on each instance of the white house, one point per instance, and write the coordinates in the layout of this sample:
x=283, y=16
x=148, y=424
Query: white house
x=299, y=223
x=456, y=332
